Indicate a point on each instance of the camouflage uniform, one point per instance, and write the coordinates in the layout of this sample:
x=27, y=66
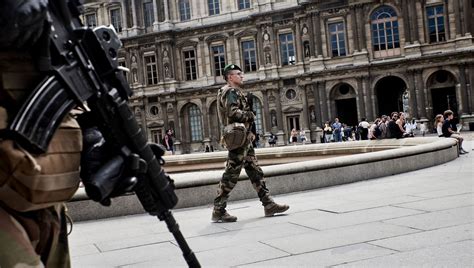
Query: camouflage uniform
x=33, y=188
x=233, y=108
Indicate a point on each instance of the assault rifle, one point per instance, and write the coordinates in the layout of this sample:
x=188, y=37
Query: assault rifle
x=84, y=72
x=253, y=127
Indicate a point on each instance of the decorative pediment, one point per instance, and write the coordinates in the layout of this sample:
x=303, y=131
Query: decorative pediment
x=292, y=109
x=187, y=43
x=216, y=37
x=158, y=123
x=247, y=32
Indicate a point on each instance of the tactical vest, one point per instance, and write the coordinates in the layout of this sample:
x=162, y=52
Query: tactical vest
x=233, y=134
x=30, y=182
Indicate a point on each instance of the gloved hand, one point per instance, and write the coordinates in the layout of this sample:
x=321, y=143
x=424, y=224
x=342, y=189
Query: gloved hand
x=22, y=22
x=103, y=173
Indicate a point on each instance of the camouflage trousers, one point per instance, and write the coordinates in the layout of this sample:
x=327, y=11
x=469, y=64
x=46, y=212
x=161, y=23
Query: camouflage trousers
x=34, y=238
x=241, y=157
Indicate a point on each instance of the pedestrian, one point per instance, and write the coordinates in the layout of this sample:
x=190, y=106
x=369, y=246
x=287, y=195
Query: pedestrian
x=364, y=129
x=327, y=132
x=450, y=131
x=235, y=114
x=294, y=136
x=272, y=139
x=303, y=136
x=337, y=129
x=168, y=141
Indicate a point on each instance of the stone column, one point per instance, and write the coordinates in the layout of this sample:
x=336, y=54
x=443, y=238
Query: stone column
x=280, y=134
x=317, y=104
x=463, y=107
x=420, y=94
x=361, y=26
x=355, y=33
x=360, y=97
x=413, y=21
x=155, y=16
x=411, y=89
x=164, y=113
x=205, y=119
x=266, y=111
x=406, y=20
x=177, y=128
x=298, y=44
x=305, y=124
x=166, y=10
x=124, y=16
x=457, y=16
x=317, y=33
x=134, y=18
x=470, y=88
x=368, y=98
x=323, y=101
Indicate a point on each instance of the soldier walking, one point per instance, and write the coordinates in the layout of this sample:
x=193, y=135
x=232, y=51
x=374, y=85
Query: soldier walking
x=236, y=116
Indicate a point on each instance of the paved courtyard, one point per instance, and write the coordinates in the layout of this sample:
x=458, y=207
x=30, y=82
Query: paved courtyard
x=421, y=218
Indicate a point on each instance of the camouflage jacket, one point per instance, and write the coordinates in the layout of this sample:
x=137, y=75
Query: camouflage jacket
x=232, y=107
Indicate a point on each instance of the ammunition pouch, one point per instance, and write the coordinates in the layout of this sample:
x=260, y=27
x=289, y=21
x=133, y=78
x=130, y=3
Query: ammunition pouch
x=234, y=136
x=31, y=182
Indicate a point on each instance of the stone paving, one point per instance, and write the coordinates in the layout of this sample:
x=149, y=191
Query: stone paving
x=421, y=218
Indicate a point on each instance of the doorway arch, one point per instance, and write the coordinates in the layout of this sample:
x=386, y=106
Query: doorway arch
x=390, y=93
x=345, y=103
x=442, y=87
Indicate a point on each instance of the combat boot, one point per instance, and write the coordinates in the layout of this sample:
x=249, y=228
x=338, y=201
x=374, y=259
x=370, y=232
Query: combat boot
x=221, y=215
x=273, y=208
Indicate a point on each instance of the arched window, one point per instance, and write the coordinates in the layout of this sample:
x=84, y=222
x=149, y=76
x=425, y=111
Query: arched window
x=257, y=108
x=195, y=122
x=385, y=35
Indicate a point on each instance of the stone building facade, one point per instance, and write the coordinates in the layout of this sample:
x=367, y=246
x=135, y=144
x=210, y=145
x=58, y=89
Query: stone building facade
x=305, y=61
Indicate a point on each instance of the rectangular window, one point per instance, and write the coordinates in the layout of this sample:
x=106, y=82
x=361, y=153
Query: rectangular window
x=91, y=20
x=249, y=54
x=243, y=4
x=148, y=16
x=151, y=70
x=156, y=135
x=213, y=7
x=190, y=65
x=436, y=27
x=116, y=19
x=287, y=49
x=219, y=59
x=337, y=39
x=195, y=122
x=184, y=10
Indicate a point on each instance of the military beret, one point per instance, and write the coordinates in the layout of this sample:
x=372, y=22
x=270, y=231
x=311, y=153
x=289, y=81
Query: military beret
x=230, y=67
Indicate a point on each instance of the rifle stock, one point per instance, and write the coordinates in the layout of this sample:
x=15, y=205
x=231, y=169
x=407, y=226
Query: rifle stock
x=85, y=73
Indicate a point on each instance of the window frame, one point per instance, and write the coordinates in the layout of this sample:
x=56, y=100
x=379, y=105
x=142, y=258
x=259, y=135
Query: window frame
x=195, y=123
x=151, y=68
x=283, y=46
x=337, y=33
x=215, y=7
x=190, y=72
x=218, y=59
x=257, y=108
x=243, y=4
x=440, y=37
x=249, y=53
x=89, y=15
x=117, y=24
x=184, y=8
x=391, y=35
x=148, y=14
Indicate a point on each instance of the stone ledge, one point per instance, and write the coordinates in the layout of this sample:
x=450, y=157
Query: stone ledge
x=199, y=188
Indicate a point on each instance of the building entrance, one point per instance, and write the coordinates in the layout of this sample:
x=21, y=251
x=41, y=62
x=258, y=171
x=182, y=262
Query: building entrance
x=347, y=111
x=389, y=92
x=293, y=122
x=444, y=99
